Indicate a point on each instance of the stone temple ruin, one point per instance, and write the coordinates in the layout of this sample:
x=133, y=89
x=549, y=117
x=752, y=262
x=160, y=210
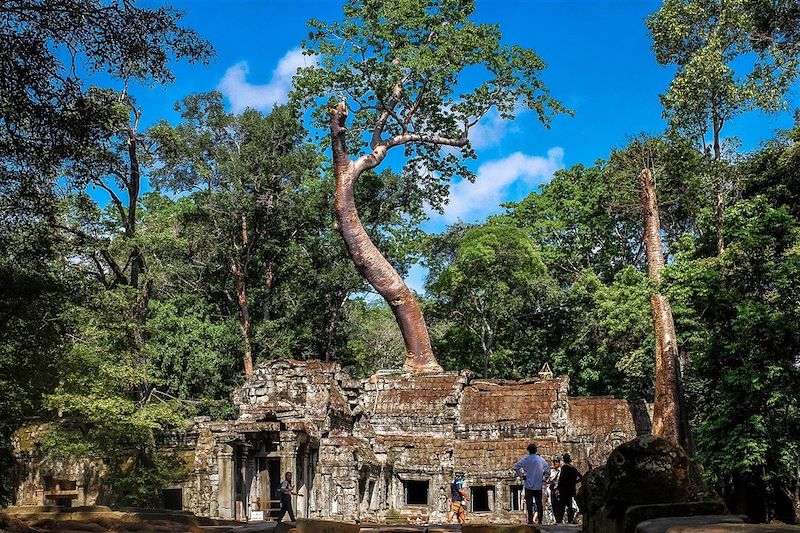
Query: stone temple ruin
x=374, y=450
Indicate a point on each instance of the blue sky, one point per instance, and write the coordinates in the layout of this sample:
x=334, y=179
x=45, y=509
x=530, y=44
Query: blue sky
x=599, y=65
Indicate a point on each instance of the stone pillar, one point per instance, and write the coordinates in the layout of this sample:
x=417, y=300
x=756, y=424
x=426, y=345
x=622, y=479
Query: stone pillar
x=288, y=450
x=302, y=489
x=225, y=465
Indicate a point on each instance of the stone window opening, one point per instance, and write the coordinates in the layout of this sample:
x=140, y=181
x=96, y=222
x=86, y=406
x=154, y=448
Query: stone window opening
x=517, y=497
x=63, y=501
x=173, y=499
x=416, y=492
x=482, y=499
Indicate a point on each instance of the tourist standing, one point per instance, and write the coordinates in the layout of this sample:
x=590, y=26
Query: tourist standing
x=553, y=505
x=533, y=469
x=567, y=481
x=286, y=490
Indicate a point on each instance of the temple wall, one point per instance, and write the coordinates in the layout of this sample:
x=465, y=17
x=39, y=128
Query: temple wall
x=385, y=448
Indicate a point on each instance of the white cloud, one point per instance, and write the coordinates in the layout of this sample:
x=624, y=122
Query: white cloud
x=243, y=94
x=494, y=180
x=488, y=131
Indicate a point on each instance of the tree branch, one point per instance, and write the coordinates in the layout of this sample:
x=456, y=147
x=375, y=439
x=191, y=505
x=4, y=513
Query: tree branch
x=114, y=198
x=405, y=138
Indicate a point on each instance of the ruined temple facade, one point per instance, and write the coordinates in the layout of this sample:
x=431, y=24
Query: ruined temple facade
x=382, y=448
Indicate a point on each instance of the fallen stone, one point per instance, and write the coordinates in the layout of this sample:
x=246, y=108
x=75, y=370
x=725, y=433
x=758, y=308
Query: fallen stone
x=308, y=525
x=647, y=470
x=709, y=524
x=489, y=528
x=592, y=493
x=735, y=528
x=640, y=513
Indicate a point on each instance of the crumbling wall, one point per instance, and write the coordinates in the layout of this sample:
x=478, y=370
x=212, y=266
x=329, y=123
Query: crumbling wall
x=43, y=480
x=370, y=450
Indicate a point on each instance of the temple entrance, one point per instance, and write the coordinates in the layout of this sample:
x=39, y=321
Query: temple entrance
x=274, y=478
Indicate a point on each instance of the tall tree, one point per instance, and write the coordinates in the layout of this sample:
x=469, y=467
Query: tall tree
x=668, y=404
x=704, y=39
x=494, y=285
x=399, y=68
x=249, y=166
x=106, y=241
x=48, y=50
x=642, y=158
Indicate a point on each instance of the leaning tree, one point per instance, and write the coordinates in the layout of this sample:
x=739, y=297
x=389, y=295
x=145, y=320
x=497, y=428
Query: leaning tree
x=414, y=76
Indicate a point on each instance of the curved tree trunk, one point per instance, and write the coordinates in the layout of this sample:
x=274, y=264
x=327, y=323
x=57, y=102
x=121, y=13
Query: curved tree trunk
x=370, y=262
x=667, y=415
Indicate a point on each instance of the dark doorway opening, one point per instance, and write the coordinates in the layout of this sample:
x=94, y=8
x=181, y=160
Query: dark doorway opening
x=482, y=499
x=517, y=496
x=63, y=501
x=173, y=499
x=275, y=478
x=416, y=492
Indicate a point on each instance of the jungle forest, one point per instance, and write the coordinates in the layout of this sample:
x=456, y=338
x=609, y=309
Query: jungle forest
x=148, y=264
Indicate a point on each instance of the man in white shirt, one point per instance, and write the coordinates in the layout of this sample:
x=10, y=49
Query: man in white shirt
x=533, y=469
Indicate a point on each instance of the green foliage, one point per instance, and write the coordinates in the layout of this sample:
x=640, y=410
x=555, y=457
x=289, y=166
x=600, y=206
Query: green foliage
x=31, y=338
x=407, y=59
x=51, y=51
x=137, y=481
x=192, y=351
x=705, y=38
x=494, y=282
x=739, y=316
x=99, y=395
x=608, y=346
x=375, y=341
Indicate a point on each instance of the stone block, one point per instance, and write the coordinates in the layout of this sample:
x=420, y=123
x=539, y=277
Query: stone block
x=494, y=528
x=310, y=525
x=647, y=470
x=641, y=513
x=592, y=493
x=735, y=528
x=662, y=525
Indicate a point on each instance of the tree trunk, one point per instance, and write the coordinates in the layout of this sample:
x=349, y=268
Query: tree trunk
x=370, y=262
x=719, y=208
x=244, y=322
x=667, y=408
x=331, y=329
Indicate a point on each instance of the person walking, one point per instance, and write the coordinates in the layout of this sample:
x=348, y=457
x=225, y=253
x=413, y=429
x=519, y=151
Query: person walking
x=286, y=490
x=457, y=498
x=567, y=481
x=533, y=469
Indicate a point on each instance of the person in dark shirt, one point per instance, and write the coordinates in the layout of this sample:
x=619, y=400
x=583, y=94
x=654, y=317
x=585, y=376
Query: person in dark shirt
x=286, y=490
x=457, y=497
x=567, y=481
